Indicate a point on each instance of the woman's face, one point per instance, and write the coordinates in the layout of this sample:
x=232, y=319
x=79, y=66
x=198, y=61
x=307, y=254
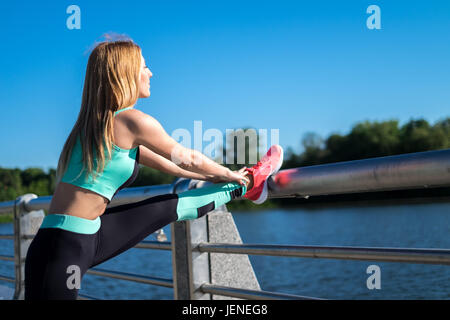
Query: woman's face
x=144, y=80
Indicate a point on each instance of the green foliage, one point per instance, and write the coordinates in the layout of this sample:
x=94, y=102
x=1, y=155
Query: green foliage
x=418, y=135
x=14, y=182
x=373, y=139
x=6, y=218
x=366, y=140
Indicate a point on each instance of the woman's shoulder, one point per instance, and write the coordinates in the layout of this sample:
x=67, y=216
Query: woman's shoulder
x=131, y=115
x=137, y=120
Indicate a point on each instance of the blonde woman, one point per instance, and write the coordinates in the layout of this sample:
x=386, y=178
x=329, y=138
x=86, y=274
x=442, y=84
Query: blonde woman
x=101, y=156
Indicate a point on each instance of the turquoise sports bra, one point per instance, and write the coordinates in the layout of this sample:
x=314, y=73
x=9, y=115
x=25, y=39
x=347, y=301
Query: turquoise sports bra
x=118, y=173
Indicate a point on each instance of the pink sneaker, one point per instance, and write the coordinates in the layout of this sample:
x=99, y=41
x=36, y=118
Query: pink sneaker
x=269, y=164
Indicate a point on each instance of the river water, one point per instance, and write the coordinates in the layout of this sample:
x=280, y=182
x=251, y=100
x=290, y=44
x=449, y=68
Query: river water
x=407, y=226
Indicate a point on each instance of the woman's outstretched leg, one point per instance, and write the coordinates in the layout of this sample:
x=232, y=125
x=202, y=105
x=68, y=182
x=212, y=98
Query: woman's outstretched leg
x=195, y=203
x=124, y=226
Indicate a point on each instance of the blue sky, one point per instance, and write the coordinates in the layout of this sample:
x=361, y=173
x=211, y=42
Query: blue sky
x=296, y=66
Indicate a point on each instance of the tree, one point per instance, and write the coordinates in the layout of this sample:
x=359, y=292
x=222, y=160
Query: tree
x=313, y=149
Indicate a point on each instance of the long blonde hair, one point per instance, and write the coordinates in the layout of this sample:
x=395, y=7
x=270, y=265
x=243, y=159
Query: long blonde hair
x=111, y=83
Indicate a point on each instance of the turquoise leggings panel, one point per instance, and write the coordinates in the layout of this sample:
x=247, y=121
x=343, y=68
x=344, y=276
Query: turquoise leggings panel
x=195, y=203
x=71, y=223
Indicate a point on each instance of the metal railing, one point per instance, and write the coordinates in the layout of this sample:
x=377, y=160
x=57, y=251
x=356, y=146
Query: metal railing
x=409, y=255
x=403, y=172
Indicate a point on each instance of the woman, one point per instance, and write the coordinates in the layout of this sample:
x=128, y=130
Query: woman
x=101, y=156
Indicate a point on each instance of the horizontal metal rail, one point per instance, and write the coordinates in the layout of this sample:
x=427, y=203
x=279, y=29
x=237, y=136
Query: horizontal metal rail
x=6, y=278
x=409, y=255
x=250, y=294
x=7, y=207
x=11, y=236
x=154, y=245
x=418, y=170
x=6, y=258
x=132, y=277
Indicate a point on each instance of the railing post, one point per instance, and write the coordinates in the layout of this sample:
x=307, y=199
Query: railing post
x=193, y=268
x=190, y=268
x=26, y=224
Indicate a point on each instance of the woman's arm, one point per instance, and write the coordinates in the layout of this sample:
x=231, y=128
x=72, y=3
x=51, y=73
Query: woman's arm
x=149, y=133
x=150, y=159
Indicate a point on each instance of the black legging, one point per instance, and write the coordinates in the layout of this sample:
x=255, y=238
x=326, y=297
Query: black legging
x=54, y=251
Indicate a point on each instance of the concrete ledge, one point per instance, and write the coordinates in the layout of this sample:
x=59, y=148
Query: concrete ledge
x=231, y=270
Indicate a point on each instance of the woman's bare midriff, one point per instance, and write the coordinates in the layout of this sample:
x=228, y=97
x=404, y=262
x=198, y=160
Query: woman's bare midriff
x=76, y=201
